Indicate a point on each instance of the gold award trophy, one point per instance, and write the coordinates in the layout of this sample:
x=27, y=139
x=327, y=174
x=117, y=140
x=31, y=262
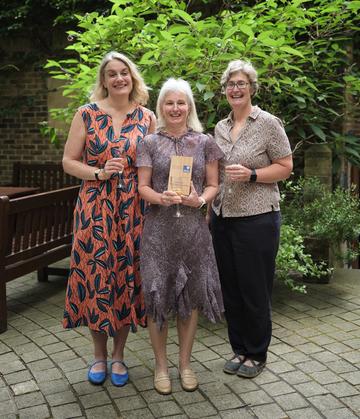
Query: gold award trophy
x=180, y=177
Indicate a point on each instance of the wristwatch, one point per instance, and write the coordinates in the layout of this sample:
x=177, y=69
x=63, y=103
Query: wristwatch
x=97, y=172
x=253, y=176
x=202, y=200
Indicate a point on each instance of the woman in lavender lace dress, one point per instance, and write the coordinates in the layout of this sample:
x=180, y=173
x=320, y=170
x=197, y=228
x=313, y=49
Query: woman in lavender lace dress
x=177, y=262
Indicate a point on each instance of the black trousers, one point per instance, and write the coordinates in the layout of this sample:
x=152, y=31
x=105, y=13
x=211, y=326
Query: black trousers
x=246, y=249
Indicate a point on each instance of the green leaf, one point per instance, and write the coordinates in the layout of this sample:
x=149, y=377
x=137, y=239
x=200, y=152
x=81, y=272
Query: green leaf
x=318, y=131
x=291, y=50
x=246, y=30
x=208, y=95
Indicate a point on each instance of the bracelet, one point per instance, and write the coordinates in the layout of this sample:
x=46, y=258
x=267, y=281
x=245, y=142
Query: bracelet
x=202, y=201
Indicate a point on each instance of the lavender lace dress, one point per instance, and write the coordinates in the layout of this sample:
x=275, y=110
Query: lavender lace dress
x=177, y=260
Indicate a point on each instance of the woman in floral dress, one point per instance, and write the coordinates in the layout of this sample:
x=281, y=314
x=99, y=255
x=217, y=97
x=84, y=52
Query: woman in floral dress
x=104, y=289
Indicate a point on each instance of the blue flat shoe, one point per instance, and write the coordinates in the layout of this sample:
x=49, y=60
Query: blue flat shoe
x=119, y=380
x=97, y=378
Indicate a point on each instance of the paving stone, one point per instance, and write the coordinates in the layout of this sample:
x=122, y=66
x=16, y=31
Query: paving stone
x=24, y=387
x=295, y=377
x=326, y=357
x=4, y=394
x=64, y=356
x=295, y=357
x=207, y=355
x=280, y=367
x=40, y=365
x=35, y=412
x=310, y=388
x=117, y=392
x=11, y=367
x=165, y=409
x=352, y=377
x=308, y=413
x=200, y=410
x=342, y=389
x=269, y=411
x=96, y=399
x=72, y=365
x=33, y=356
x=343, y=413
x=278, y=388
x=216, y=388
x=311, y=366
x=184, y=397
x=353, y=402
x=75, y=377
x=140, y=414
x=291, y=401
x=7, y=407
x=55, y=347
x=255, y=398
x=281, y=349
x=265, y=377
x=66, y=411
x=47, y=375
x=241, y=413
x=29, y=399
x=18, y=377
x=341, y=366
x=55, y=386
x=325, y=377
x=239, y=386
x=152, y=396
x=337, y=348
x=130, y=403
x=325, y=402
x=226, y=401
x=61, y=398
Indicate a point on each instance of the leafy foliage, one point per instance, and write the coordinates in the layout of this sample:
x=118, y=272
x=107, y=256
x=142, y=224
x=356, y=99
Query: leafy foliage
x=316, y=212
x=300, y=49
x=293, y=260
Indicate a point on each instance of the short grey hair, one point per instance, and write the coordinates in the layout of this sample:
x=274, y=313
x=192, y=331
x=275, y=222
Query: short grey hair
x=139, y=93
x=245, y=67
x=178, y=85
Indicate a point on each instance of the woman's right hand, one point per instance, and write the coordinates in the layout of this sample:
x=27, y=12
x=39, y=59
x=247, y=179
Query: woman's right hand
x=114, y=165
x=170, y=198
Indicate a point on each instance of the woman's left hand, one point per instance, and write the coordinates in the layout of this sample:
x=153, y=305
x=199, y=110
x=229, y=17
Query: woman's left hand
x=191, y=200
x=238, y=173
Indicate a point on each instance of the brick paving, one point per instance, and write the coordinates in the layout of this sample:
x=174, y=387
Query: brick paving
x=313, y=368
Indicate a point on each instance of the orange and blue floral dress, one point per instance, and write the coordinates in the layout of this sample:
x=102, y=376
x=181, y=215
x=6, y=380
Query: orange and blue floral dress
x=104, y=286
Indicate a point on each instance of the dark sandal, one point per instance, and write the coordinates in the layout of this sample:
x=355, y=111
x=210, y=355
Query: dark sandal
x=251, y=372
x=231, y=367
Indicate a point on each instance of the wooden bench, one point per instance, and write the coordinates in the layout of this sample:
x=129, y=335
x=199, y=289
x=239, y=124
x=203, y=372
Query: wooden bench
x=35, y=231
x=45, y=176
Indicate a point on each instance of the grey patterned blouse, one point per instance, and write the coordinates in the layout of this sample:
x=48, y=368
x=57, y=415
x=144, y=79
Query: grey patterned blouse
x=262, y=140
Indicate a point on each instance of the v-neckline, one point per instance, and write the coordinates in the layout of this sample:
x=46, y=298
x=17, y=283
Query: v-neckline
x=128, y=115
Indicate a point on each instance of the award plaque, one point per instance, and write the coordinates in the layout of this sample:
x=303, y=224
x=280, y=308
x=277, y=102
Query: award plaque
x=180, y=174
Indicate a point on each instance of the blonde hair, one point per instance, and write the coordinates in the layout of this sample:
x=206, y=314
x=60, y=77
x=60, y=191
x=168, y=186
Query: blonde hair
x=178, y=85
x=139, y=93
x=245, y=67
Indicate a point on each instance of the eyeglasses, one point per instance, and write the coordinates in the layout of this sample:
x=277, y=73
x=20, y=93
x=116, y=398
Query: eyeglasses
x=239, y=84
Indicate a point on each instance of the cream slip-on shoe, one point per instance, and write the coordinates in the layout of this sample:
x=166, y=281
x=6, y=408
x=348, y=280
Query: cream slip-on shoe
x=188, y=380
x=162, y=383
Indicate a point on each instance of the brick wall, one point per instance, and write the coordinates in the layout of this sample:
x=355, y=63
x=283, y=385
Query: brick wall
x=23, y=104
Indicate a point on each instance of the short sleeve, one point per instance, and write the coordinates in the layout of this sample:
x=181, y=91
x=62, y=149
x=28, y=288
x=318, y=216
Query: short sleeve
x=212, y=150
x=278, y=145
x=143, y=152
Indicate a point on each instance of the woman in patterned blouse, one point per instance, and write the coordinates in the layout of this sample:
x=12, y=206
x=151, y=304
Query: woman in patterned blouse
x=104, y=289
x=245, y=220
